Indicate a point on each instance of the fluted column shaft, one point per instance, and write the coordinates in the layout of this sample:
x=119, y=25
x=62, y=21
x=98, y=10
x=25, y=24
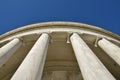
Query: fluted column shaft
x=90, y=65
x=111, y=49
x=32, y=66
x=7, y=50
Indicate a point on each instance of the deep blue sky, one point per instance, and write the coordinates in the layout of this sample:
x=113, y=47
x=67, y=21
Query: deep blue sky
x=17, y=13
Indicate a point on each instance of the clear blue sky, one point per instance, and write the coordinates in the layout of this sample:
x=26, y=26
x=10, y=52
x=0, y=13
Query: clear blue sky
x=17, y=13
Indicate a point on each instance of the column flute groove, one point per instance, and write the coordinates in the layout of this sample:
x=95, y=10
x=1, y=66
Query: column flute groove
x=32, y=66
x=90, y=66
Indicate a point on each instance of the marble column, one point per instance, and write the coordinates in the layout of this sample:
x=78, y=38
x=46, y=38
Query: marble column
x=111, y=49
x=32, y=66
x=7, y=50
x=90, y=66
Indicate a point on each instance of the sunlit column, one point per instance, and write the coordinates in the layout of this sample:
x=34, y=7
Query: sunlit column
x=90, y=65
x=32, y=66
x=7, y=50
x=111, y=49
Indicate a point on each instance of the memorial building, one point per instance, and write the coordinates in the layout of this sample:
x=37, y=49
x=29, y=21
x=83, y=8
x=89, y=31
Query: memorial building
x=59, y=51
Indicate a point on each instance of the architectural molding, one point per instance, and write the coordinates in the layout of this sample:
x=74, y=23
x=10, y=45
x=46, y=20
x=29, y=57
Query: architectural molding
x=59, y=50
